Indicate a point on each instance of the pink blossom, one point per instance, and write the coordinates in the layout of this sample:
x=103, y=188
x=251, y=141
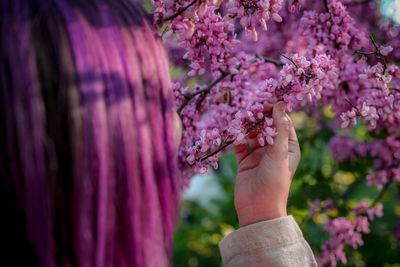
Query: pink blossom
x=386, y=50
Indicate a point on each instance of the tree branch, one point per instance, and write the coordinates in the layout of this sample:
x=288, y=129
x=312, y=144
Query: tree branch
x=180, y=11
x=377, y=53
x=189, y=97
x=205, y=90
x=351, y=104
x=350, y=189
x=358, y=3
x=364, y=53
x=269, y=60
x=383, y=191
x=291, y=60
x=326, y=6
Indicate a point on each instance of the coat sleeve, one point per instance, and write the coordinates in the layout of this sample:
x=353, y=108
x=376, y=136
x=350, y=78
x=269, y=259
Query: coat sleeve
x=276, y=242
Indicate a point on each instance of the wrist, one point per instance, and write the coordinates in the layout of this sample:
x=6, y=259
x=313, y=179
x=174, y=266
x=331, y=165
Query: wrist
x=253, y=214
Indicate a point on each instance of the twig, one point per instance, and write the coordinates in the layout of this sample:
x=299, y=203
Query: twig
x=189, y=97
x=350, y=190
x=223, y=146
x=364, y=53
x=351, y=104
x=375, y=87
x=180, y=11
x=383, y=191
x=377, y=53
x=269, y=60
x=358, y=3
x=308, y=76
x=291, y=60
x=326, y=6
x=205, y=90
x=373, y=42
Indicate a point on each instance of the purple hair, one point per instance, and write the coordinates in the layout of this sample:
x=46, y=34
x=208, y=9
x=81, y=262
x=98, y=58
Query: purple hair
x=88, y=171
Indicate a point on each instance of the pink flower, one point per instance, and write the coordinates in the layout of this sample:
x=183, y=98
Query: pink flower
x=385, y=50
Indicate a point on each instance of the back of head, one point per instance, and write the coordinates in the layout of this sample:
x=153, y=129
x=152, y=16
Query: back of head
x=87, y=155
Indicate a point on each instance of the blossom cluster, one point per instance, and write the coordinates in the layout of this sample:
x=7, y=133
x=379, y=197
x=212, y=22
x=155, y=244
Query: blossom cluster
x=332, y=30
x=344, y=231
x=307, y=79
x=386, y=155
x=209, y=44
x=253, y=13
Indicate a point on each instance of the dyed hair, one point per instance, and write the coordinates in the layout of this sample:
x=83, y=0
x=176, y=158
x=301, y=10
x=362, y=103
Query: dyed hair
x=88, y=171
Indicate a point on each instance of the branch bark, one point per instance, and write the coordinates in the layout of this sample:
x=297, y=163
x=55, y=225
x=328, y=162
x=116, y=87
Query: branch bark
x=383, y=191
x=189, y=97
x=270, y=60
x=358, y=3
x=350, y=189
x=180, y=11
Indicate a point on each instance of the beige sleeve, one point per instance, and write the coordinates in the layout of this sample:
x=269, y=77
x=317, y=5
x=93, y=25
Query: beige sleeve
x=276, y=242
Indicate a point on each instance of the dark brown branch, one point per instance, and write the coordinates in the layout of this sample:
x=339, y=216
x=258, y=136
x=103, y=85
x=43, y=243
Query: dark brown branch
x=307, y=76
x=358, y=3
x=351, y=104
x=291, y=60
x=374, y=43
x=203, y=96
x=377, y=53
x=343, y=197
x=364, y=53
x=180, y=11
x=223, y=146
x=189, y=97
x=206, y=90
x=383, y=191
x=269, y=60
x=326, y=6
x=350, y=189
x=273, y=61
x=375, y=87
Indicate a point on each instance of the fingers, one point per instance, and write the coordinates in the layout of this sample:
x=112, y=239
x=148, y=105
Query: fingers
x=292, y=131
x=241, y=152
x=267, y=108
x=293, y=148
x=293, y=142
x=282, y=124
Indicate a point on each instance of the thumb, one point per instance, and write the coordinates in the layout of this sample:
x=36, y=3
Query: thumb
x=282, y=125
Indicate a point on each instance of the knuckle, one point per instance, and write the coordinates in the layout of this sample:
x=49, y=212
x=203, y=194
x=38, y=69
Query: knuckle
x=280, y=150
x=285, y=125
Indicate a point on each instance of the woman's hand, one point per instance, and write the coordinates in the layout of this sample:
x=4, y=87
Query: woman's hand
x=265, y=173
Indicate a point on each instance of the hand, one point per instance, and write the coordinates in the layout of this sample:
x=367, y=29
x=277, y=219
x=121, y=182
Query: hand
x=265, y=173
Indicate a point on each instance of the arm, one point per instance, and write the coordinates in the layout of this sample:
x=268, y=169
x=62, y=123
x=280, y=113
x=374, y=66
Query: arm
x=267, y=237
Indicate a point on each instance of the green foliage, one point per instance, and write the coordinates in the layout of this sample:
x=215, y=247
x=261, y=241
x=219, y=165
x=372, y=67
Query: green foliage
x=318, y=176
